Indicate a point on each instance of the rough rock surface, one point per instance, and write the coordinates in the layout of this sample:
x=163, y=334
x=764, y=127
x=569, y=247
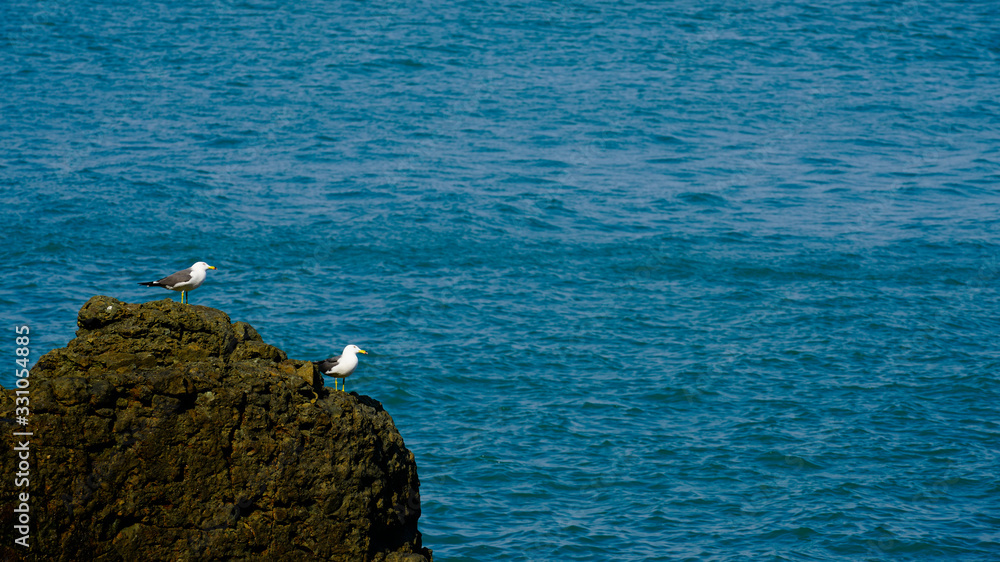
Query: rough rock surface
x=165, y=432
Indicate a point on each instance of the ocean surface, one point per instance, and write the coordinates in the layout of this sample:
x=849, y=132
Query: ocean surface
x=640, y=280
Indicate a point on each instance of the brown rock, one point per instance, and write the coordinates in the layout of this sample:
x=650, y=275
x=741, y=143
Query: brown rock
x=165, y=432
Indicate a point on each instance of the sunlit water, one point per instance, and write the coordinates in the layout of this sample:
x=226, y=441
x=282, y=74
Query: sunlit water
x=691, y=281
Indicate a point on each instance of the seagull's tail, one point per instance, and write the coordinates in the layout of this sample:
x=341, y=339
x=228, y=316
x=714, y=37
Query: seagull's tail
x=151, y=284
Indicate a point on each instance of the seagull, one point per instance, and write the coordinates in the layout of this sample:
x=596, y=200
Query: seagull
x=341, y=366
x=184, y=280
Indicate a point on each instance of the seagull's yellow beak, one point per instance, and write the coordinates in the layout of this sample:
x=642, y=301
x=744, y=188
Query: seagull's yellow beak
x=211, y=267
x=362, y=351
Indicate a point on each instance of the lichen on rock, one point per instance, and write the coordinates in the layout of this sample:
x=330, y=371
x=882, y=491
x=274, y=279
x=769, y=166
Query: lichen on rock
x=166, y=432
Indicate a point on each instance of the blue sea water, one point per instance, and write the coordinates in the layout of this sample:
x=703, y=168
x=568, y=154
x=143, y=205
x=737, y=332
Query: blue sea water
x=640, y=280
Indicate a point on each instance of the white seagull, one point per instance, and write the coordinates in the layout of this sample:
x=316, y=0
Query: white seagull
x=184, y=280
x=341, y=366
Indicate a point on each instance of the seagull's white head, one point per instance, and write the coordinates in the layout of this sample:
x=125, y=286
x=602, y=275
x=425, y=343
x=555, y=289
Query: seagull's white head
x=202, y=266
x=354, y=349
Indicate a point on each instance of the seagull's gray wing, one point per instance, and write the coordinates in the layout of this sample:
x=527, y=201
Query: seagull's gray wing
x=182, y=276
x=328, y=364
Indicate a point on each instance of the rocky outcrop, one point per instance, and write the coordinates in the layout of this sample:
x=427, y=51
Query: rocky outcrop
x=165, y=432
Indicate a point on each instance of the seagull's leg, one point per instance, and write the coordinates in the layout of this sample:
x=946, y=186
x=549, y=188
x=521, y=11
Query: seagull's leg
x=334, y=383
